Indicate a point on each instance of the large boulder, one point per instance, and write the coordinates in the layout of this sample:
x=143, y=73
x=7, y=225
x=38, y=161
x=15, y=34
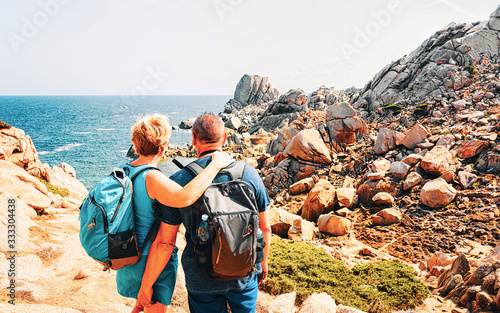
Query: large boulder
x=22, y=185
x=334, y=224
x=399, y=170
x=187, y=124
x=416, y=135
x=381, y=165
x=472, y=147
x=387, y=217
x=285, y=110
x=437, y=193
x=17, y=147
x=320, y=200
x=233, y=122
x=494, y=21
x=346, y=197
x=291, y=226
x=438, y=161
x=343, y=123
x=412, y=180
x=316, y=303
x=308, y=145
x=301, y=230
x=302, y=185
x=281, y=221
x=284, y=303
x=439, y=259
x=251, y=89
x=382, y=198
x=292, y=101
x=285, y=136
x=371, y=187
x=387, y=139
x=323, y=97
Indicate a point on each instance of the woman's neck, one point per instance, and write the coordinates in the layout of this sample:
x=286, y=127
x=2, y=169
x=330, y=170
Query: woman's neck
x=146, y=159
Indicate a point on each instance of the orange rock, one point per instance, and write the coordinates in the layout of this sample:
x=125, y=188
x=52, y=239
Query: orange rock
x=320, y=200
x=437, y=193
x=471, y=148
x=370, y=188
x=334, y=224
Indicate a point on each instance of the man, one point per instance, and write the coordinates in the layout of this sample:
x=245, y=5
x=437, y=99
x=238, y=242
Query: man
x=205, y=294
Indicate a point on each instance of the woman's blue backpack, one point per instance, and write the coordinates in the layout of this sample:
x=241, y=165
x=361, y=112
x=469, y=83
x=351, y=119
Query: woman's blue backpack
x=107, y=221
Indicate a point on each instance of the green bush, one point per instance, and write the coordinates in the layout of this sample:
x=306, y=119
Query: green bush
x=64, y=192
x=421, y=109
x=306, y=269
x=396, y=109
x=471, y=69
x=4, y=125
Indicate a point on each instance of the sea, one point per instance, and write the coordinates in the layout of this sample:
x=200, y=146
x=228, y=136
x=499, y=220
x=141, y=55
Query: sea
x=92, y=133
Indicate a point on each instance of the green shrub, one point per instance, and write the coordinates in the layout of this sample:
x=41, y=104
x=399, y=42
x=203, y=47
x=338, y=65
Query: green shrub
x=306, y=269
x=421, y=109
x=397, y=283
x=471, y=69
x=396, y=109
x=4, y=125
x=64, y=192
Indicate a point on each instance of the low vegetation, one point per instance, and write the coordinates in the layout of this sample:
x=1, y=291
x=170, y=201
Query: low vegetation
x=64, y=192
x=471, y=69
x=396, y=109
x=4, y=125
x=421, y=109
x=305, y=269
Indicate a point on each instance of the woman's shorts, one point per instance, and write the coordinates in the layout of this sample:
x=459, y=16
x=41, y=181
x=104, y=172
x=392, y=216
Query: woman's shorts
x=128, y=280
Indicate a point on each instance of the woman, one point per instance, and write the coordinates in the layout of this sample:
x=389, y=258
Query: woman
x=150, y=137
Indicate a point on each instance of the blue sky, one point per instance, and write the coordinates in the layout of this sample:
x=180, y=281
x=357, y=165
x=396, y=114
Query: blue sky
x=204, y=46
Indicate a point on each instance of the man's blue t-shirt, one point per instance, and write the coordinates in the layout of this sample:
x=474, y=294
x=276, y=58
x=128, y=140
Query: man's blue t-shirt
x=196, y=281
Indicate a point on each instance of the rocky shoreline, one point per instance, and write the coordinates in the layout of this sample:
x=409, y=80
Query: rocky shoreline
x=406, y=168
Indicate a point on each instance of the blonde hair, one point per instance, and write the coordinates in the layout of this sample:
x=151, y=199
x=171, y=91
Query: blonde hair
x=150, y=133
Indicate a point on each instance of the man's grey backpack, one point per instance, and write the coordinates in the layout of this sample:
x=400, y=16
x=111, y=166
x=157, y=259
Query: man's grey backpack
x=233, y=215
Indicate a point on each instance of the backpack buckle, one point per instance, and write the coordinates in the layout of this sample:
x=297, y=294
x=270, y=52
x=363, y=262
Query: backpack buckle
x=224, y=189
x=249, y=231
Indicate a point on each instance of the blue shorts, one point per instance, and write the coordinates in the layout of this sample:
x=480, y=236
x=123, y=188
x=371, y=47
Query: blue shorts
x=128, y=280
x=244, y=301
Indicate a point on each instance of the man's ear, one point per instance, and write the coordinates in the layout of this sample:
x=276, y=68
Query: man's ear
x=225, y=137
x=194, y=138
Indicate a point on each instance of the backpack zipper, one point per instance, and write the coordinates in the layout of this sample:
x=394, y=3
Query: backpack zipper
x=105, y=218
x=119, y=201
x=220, y=249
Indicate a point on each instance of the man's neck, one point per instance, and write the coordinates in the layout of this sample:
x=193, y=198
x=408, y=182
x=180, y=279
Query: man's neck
x=207, y=151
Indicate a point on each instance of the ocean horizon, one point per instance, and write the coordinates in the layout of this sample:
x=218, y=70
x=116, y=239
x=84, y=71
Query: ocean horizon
x=92, y=132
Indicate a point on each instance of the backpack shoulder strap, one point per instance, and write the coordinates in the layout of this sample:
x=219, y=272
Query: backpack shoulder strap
x=235, y=171
x=141, y=169
x=195, y=168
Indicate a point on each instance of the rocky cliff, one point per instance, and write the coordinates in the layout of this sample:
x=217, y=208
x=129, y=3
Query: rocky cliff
x=434, y=71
